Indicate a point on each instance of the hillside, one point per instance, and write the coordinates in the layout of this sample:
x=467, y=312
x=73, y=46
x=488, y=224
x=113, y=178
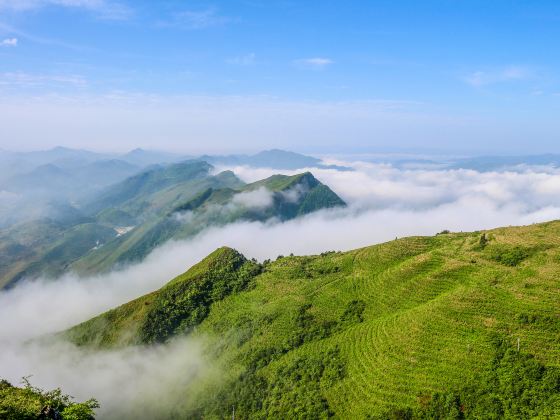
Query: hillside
x=211, y=201
x=452, y=326
x=147, y=182
x=126, y=221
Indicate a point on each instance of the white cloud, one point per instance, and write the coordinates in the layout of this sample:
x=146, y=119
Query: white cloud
x=507, y=74
x=243, y=60
x=317, y=63
x=29, y=80
x=103, y=8
x=198, y=19
x=9, y=42
x=137, y=382
x=261, y=198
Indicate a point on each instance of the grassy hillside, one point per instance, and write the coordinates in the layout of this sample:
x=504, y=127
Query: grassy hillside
x=147, y=182
x=425, y=327
x=174, y=309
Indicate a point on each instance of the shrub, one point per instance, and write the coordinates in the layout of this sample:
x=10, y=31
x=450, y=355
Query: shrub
x=31, y=402
x=508, y=255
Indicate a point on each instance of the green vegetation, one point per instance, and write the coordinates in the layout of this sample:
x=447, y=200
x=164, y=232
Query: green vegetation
x=30, y=403
x=511, y=256
x=128, y=220
x=515, y=385
x=148, y=182
x=421, y=327
x=46, y=247
x=174, y=309
x=208, y=202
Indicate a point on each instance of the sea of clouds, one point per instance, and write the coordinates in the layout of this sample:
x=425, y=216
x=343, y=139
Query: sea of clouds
x=384, y=202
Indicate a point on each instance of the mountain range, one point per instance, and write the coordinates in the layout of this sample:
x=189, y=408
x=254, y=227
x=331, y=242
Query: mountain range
x=124, y=222
x=33, y=183
x=459, y=325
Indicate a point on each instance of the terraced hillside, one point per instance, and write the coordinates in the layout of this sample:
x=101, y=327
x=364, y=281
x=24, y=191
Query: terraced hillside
x=460, y=324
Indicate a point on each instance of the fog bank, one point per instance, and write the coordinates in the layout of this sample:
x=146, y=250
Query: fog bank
x=383, y=203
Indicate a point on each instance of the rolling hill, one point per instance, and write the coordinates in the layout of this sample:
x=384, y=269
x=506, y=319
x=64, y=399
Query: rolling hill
x=459, y=325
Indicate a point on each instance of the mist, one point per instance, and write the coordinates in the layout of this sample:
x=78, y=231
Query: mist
x=136, y=382
x=384, y=202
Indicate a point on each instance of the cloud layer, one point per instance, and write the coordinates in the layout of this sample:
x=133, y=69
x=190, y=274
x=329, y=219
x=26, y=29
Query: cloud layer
x=384, y=203
x=9, y=42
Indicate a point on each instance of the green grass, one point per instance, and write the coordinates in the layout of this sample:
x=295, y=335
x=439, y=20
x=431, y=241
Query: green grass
x=175, y=309
x=370, y=331
x=282, y=182
x=146, y=183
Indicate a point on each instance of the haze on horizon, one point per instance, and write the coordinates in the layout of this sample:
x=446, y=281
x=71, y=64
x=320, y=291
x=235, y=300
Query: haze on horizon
x=219, y=77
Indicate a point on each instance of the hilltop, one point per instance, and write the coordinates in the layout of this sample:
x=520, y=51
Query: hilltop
x=459, y=324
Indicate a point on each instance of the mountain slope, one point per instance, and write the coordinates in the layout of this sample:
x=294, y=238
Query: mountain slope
x=174, y=309
x=50, y=245
x=69, y=245
x=147, y=182
x=374, y=331
x=126, y=221
x=216, y=201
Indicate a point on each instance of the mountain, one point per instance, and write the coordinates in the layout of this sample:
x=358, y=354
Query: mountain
x=497, y=163
x=184, y=210
x=177, y=307
x=459, y=325
x=56, y=154
x=47, y=177
x=36, y=194
x=274, y=159
x=102, y=173
x=123, y=223
x=17, y=163
x=141, y=157
x=55, y=181
x=50, y=244
x=147, y=182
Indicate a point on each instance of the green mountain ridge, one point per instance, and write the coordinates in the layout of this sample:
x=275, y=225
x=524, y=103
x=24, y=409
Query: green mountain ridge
x=420, y=327
x=176, y=308
x=126, y=221
x=211, y=206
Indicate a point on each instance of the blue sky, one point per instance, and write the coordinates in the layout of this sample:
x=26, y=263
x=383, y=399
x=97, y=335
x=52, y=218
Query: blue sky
x=324, y=76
